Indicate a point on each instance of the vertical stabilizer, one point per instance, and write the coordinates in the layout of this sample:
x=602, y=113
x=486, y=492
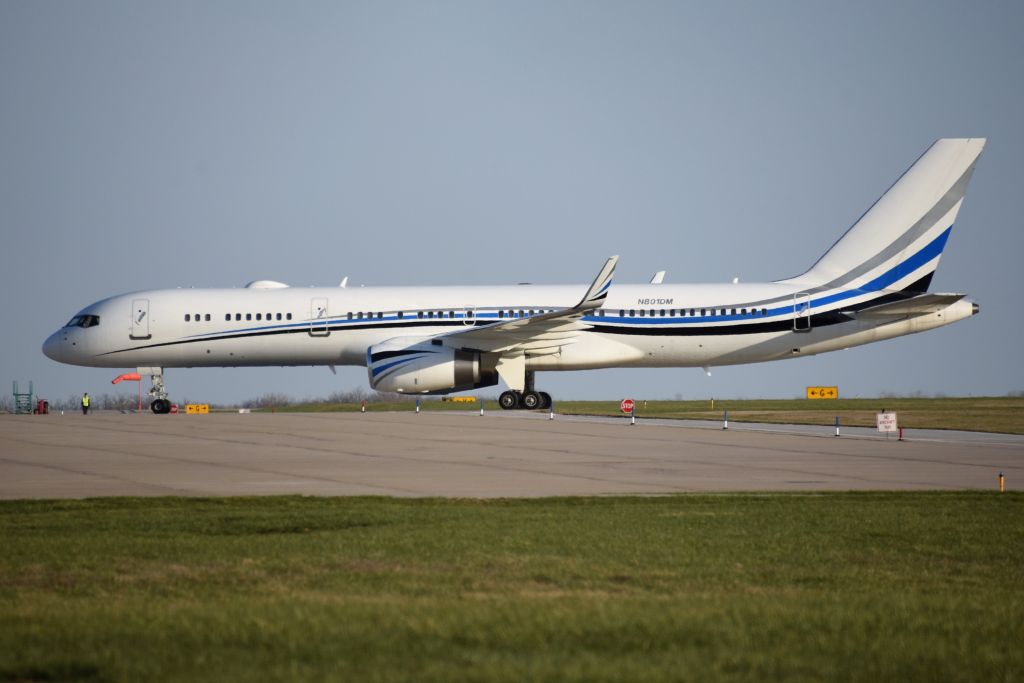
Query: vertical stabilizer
x=901, y=237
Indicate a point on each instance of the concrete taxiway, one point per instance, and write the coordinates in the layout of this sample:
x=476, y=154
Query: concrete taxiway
x=466, y=455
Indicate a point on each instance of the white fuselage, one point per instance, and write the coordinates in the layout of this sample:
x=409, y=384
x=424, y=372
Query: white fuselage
x=638, y=325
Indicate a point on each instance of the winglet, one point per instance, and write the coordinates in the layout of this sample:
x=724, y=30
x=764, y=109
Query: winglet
x=598, y=291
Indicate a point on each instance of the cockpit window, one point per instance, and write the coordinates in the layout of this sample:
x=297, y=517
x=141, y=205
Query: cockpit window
x=84, y=321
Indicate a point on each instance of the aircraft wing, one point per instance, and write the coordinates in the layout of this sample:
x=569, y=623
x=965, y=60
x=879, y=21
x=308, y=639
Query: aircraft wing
x=917, y=305
x=538, y=334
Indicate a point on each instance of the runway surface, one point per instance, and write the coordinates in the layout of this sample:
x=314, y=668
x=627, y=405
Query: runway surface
x=466, y=455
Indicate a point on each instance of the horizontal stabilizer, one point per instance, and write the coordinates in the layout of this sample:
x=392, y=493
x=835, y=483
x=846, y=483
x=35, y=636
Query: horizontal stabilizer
x=918, y=305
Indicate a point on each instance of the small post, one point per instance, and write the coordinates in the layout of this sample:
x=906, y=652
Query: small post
x=632, y=417
x=837, y=425
x=481, y=408
x=1002, y=483
x=725, y=420
x=901, y=434
x=417, y=406
x=712, y=403
x=551, y=411
x=362, y=406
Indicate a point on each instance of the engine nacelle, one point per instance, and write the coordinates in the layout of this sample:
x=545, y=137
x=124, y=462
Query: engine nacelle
x=413, y=366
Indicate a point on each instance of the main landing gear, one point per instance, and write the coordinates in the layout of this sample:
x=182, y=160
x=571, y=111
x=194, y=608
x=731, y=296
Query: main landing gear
x=528, y=399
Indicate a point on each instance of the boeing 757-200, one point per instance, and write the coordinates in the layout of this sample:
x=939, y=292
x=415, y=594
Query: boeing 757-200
x=871, y=285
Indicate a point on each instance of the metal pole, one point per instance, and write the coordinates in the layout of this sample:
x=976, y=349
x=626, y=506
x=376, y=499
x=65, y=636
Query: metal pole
x=725, y=420
x=1002, y=483
x=837, y=425
x=417, y=406
x=551, y=414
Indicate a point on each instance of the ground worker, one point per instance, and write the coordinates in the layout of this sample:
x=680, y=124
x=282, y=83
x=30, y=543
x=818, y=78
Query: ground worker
x=85, y=403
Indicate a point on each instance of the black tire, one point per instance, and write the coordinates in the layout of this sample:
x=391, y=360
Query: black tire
x=160, y=406
x=545, y=400
x=531, y=400
x=508, y=400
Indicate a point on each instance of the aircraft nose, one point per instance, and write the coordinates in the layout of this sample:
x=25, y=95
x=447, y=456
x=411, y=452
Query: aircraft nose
x=53, y=346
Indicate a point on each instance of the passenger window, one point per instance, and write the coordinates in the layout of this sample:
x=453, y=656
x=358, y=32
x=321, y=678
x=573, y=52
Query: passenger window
x=764, y=311
x=248, y=316
x=288, y=316
x=379, y=316
x=207, y=317
x=238, y=316
x=187, y=317
x=734, y=311
x=278, y=316
x=501, y=314
x=632, y=313
x=227, y=317
x=622, y=313
x=401, y=315
x=259, y=316
x=743, y=311
x=663, y=312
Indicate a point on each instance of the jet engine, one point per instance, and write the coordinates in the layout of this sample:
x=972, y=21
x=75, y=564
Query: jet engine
x=426, y=367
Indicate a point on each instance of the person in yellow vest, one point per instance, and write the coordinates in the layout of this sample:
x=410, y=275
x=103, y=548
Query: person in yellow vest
x=85, y=403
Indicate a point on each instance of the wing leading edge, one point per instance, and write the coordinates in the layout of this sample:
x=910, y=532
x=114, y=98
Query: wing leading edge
x=539, y=334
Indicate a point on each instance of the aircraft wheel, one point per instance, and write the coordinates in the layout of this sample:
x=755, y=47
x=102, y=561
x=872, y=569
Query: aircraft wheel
x=531, y=400
x=508, y=400
x=160, y=406
x=545, y=400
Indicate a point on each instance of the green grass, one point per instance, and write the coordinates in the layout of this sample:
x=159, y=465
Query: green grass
x=1002, y=414
x=866, y=586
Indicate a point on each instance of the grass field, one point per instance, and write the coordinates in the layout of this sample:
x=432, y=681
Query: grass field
x=1002, y=414
x=919, y=586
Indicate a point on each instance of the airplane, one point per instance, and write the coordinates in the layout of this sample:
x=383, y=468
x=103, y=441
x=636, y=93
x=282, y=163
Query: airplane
x=872, y=284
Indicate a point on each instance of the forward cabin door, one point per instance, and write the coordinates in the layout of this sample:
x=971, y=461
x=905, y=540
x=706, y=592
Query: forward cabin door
x=318, y=317
x=802, y=312
x=140, y=320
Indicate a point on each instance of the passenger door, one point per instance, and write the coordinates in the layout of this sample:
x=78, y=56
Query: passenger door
x=140, y=320
x=318, y=317
x=802, y=312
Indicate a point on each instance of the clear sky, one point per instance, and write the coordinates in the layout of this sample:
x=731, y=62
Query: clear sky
x=148, y=145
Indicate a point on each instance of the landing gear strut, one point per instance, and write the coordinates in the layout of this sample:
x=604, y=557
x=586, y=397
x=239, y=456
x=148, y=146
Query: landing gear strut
x=528, y=399
x=160, y=405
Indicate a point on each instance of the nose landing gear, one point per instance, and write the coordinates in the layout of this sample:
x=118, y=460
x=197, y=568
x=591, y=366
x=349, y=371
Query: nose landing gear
x=160, y=405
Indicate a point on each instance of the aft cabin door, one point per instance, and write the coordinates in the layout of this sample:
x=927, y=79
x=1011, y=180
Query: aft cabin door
x=318, y=318
x=802, y=312
x=140, y=320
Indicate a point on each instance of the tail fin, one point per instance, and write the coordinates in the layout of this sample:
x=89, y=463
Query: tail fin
x=896, y=244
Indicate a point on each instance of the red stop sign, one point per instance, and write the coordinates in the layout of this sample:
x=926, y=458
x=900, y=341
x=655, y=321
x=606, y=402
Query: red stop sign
x=627, y=405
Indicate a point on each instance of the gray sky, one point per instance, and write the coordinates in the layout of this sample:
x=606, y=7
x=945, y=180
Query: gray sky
x=203, y=144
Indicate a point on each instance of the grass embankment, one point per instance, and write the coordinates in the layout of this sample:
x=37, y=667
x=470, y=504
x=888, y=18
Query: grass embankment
x=988, y=414
x=991, y=414
x=922, y=586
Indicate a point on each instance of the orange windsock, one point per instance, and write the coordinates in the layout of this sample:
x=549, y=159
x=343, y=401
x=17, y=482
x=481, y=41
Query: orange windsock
x=127, y=377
